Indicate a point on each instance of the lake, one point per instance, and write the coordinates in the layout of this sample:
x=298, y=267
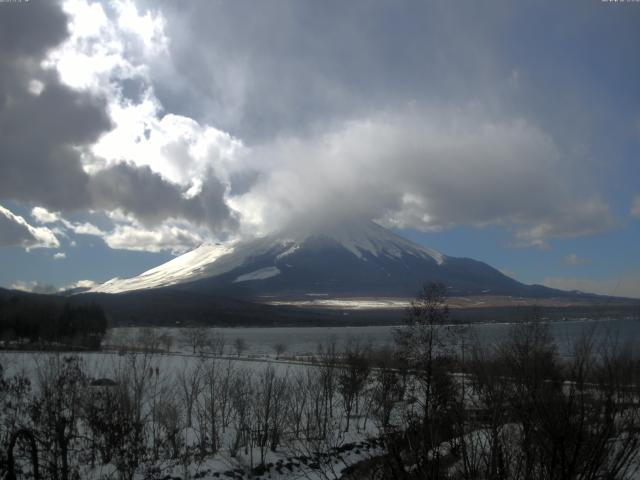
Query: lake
x=305, y=340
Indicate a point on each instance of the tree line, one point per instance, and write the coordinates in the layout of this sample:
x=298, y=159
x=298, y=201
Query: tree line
x=40, y=322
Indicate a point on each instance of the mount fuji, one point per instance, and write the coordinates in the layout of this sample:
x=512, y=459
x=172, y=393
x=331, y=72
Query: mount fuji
x=349, y=259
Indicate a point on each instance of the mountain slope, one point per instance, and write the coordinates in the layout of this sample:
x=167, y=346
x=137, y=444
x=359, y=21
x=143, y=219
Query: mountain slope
x=354, y=259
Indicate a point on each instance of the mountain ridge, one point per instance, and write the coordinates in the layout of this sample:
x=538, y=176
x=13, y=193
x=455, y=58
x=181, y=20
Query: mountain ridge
x=350, y=259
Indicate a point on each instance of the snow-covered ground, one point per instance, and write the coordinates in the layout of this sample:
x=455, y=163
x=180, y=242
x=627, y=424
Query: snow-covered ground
x=168, y=373
x=167, y=378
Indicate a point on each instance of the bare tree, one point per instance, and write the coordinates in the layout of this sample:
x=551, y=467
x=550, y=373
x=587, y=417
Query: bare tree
x=57, y=412
x=189, y=381
x=148, y=339
x=213, y=404
x=298, y=402
x=328, y=358
x=240, y=345
x=169, y=419
x=241, y=392
x=539, y=416
x=216, y=342
x=387, y=390
x=196, y=338
x=422, y=346
x=166, y=340
x=352, y=378
x=270, y=410
x=279, y=349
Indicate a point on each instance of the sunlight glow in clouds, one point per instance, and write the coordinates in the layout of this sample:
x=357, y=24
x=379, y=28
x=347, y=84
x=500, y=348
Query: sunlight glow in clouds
x=430, y=169
x=99, y=48
x=166, y=180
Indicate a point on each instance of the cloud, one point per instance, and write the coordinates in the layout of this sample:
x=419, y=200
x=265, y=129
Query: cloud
x=34, y=287
x=86, y=229
x=44, y=216
x=59, y=256
x=145, y=194
x=41, y=154
x=427, y=171
x=635, y=207
x=300, y=79
x=128, y=233
x=50, y=162
x=176, y=239
x=180, y=124
x=626, y=285
x=84, y=284
x=574, y=260
x=298, y=66
x=44, y=288
x=15, y=231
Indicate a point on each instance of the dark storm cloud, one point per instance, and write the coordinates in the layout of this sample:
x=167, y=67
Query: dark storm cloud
x=138, y=191
x=41, y=120
x=261, y=69
x=210, y=206
x=149, y=197
x=29, y=30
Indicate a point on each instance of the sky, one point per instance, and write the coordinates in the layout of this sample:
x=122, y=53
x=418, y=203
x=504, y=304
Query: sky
x=133, y=130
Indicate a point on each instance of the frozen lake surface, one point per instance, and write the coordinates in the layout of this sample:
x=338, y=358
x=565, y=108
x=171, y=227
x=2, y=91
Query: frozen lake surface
x=305, y=340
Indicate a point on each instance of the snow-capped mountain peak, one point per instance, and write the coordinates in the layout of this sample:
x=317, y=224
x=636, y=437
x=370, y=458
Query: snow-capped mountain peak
x=370, y=238
x=362, y=239
x=351, y=258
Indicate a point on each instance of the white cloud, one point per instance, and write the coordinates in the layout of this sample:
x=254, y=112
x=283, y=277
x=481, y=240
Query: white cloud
x=86, y=229
x=33, y=287
x=574, y=260
x=100, y=49
x=14, y=230
x=428, y=171
x=180, y=149
x=635, y=207
x=59, y=256
x=80, y=284
x=128, y=233
x=44, y=216
x=624, y=286
x=176, y=239
x=44, y=288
